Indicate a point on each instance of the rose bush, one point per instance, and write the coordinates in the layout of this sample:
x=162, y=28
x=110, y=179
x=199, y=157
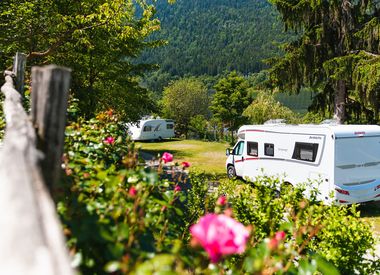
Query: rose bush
x=121, y=218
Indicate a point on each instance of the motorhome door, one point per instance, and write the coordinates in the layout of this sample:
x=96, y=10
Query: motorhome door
x=238, y=154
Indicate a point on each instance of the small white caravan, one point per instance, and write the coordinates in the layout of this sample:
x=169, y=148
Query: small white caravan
x=344, y=159
x=151, y=129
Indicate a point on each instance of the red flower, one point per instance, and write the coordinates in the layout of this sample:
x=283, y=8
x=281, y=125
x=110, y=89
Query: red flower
x=132, y=191
x=222, y=200
x=110, y=112
x=185, y=164
x=109, y=140
x=167, y=157
x=177, y=188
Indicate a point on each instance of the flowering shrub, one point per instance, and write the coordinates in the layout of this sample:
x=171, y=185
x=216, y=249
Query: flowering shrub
x=121, y=218
x=312, y=227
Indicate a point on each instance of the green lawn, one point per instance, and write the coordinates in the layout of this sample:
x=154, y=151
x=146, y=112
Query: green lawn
x=210, y=157
x=206, y=156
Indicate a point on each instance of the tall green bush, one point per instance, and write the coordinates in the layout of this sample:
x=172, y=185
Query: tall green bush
x=331, y=231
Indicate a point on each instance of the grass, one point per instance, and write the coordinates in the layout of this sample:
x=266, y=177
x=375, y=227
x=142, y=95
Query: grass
x=210, y=158
x=204, y=156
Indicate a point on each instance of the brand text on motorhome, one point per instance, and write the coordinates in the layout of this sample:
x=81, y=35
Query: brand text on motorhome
x=342, y=160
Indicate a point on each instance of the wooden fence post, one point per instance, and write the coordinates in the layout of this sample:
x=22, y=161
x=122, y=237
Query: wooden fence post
x=19, y=65
x=49, y=106
x=31, y=237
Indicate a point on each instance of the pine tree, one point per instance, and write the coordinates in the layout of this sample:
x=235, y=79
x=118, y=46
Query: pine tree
x=332, y=54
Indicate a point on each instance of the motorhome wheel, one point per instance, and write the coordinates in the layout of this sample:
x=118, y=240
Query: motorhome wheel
x=231, y=173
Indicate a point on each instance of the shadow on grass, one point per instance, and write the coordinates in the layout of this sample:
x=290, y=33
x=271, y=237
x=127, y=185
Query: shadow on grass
x=149, y=154
x=370, y=209
x=159, y=141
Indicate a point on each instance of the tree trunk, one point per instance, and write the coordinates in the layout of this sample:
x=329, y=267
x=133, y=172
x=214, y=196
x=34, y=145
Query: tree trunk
x=340, y=101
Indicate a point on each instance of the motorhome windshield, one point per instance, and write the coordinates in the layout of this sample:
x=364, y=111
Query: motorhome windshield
x=357, y=160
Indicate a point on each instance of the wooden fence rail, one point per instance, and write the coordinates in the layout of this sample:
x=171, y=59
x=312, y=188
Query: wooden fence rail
x=31, y=237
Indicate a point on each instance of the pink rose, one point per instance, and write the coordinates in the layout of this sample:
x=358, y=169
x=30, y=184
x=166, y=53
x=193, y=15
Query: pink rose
x=132, y=191
x=275, y=241
x=167, y=157
x=185, y=164
x=220, y=235
x=177, y=188
x=109, y=140
x=222, y=200
x=279, y=236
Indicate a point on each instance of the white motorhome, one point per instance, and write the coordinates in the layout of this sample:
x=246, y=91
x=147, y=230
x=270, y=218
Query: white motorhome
x=151, y=129
x=344, y=159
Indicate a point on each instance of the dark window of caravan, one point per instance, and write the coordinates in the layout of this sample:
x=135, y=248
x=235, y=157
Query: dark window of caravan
x=269, y=149
x=252, y=149
x=305, y=151
x=147, y=128
x=169, y=126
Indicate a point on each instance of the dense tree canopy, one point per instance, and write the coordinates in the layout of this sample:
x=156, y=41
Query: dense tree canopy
x=210, y=37
x=98, y=39
x=184, y=99
x=230, y=100
x=336, y=54
x=265, y=107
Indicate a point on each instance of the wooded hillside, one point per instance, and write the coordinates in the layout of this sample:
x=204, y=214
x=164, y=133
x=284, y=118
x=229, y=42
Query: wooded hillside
x=210, y=37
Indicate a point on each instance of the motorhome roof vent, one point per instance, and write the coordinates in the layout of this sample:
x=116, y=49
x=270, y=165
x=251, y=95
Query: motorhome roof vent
x=275, y=121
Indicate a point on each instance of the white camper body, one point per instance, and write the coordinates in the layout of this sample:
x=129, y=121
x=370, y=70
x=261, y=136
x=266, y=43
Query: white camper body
x=152, y=129
x=341, y=160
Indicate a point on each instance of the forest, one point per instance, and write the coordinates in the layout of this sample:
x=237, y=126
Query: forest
x=210, y=37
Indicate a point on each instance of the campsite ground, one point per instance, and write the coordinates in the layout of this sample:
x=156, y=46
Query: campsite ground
x=210, y=158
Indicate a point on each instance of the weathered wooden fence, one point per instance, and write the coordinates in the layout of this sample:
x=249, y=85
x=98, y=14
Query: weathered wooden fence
x=31, y=237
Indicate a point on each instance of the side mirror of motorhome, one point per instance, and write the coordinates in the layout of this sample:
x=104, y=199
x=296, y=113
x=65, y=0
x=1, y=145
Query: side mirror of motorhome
x=228, y=152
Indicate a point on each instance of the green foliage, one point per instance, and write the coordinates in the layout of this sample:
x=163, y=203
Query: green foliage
x=332, y=232
x=184, y=99
x=265, y=107
x=230, y=100
x=115, y=214
x=121, y=218
x=98, y=40
x=336, y=55
x=198, y=125
x=343, y=236
x=210, y=37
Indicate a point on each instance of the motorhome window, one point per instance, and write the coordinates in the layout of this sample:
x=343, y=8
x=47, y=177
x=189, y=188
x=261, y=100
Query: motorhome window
x=169, y=126
x=239, y=149
x=305, y=151
x=157, y=127
x=147, y=128
x=252, y=149
x=269, y=149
